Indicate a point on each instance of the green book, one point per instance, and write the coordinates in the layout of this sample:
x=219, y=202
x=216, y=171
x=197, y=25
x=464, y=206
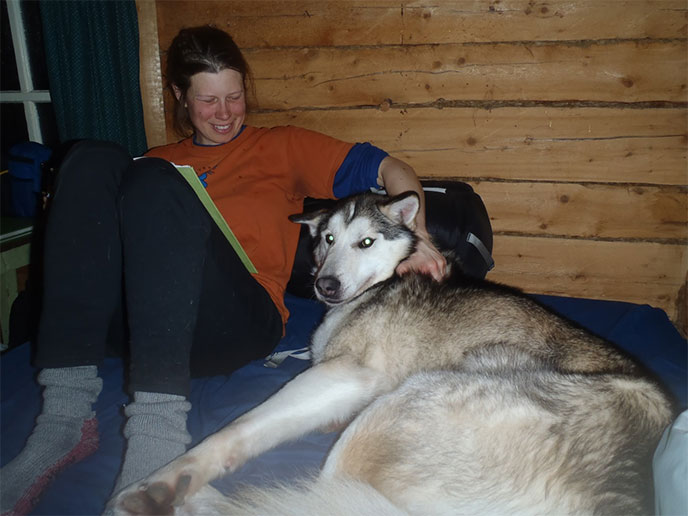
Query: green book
x=191, y=177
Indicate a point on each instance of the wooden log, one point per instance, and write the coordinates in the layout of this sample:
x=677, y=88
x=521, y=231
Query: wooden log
x=643, y=146
x=150, y=78
x=272, y=24
x=623, y=72
x=618, y=212
x=636, y=272
x=346, y=23
x=528, y=20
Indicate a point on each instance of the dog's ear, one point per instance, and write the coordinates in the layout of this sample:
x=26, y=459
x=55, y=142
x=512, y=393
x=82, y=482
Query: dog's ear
x=402, y=208
x=311, y=219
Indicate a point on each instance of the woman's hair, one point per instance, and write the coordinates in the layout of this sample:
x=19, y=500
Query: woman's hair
x=200, y=49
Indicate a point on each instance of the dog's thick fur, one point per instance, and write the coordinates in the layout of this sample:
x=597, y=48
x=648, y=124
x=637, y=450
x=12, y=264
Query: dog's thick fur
x=466, y=398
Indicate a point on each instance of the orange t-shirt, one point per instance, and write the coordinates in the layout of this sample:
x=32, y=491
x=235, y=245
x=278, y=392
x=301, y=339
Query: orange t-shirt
x=256, y=181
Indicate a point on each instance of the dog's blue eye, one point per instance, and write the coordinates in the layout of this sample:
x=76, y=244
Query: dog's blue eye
x=366, y=242
x=329, y=238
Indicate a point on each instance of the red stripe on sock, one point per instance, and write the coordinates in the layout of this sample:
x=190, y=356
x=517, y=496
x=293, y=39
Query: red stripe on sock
x=85, y=447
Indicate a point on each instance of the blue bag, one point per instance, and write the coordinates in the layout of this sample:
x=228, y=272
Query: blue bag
x=25, y=173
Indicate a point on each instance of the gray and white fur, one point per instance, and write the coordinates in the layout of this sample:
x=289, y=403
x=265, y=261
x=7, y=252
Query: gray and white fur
x=461, y=397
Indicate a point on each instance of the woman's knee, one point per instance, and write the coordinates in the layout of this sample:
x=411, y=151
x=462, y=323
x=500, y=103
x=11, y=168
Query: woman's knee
x=153, y=187
x=92, y=158
x=91, y=170
x=148, y=179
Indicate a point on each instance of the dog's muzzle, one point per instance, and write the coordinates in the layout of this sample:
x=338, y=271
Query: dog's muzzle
x=328, y=289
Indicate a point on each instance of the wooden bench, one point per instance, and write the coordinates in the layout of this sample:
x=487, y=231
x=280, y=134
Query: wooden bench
x=15, y=253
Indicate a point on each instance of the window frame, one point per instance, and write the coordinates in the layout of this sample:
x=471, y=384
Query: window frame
x=26, y=95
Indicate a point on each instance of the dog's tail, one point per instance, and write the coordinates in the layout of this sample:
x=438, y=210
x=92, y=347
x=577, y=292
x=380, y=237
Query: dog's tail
x=335, y=497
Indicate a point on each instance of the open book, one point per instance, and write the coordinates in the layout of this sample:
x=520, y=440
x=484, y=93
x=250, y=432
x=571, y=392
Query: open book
x=191, y=177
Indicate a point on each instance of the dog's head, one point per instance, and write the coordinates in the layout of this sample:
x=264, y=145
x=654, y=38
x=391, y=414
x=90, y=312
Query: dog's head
x=360, y=242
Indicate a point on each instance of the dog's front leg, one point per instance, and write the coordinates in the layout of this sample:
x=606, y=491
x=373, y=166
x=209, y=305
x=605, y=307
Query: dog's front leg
x=327, y=393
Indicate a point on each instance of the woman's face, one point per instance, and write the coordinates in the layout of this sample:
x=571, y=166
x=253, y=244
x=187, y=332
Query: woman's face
x=216, y=105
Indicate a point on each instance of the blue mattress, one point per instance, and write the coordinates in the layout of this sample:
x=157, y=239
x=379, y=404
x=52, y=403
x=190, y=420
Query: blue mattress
x=83, y=488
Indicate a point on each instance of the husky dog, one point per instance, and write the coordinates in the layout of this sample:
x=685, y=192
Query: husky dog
x=463, y=397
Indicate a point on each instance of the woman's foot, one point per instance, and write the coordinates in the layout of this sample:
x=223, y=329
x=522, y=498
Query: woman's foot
x=66, y=432
x=51, y=448
x=156, y=434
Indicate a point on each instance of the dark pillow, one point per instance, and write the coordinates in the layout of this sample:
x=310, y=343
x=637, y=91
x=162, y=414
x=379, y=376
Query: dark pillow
x=456, y=218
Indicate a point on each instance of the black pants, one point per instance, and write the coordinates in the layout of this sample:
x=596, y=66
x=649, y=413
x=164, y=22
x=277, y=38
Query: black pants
x=130, y=237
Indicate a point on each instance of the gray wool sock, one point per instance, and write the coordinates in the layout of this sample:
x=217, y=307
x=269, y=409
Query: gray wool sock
x=156, y=434
x=66, y=431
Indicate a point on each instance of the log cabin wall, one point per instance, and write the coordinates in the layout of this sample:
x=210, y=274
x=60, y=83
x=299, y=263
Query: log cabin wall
x=568, y=118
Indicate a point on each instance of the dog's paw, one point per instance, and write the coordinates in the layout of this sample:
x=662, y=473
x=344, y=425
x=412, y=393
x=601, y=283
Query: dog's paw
x=151, y=498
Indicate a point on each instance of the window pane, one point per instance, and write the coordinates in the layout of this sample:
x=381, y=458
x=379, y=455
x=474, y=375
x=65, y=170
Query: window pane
x=46, y=115
x=9, y=80
x=34, y=41
x=13, y=128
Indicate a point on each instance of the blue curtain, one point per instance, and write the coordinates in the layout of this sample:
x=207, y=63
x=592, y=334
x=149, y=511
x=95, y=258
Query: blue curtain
x=92, y=53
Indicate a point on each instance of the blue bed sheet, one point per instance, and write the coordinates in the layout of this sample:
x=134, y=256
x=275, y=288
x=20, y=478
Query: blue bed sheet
x=83, y=488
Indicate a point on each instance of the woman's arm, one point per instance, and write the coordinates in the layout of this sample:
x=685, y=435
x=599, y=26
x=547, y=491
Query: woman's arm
x=398, y=177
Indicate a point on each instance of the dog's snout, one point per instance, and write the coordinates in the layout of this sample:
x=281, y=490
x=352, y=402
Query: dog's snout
x=328, y=286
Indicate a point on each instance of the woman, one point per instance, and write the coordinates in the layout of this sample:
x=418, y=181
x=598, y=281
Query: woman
x=192, y=307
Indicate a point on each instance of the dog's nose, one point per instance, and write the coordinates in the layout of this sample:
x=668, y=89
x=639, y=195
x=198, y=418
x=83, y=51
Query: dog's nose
x=328, y=286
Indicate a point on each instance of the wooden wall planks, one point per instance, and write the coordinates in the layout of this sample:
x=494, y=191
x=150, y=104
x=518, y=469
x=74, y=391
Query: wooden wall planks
x=639, y=272
x=569, y=118
x=498, y=72
x=313, y=23
x=609, y=145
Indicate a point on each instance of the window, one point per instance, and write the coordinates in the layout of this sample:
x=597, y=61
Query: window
x=26, y=112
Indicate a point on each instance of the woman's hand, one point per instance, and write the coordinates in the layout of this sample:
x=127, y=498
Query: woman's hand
x=425, y=260
x=397, y=177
